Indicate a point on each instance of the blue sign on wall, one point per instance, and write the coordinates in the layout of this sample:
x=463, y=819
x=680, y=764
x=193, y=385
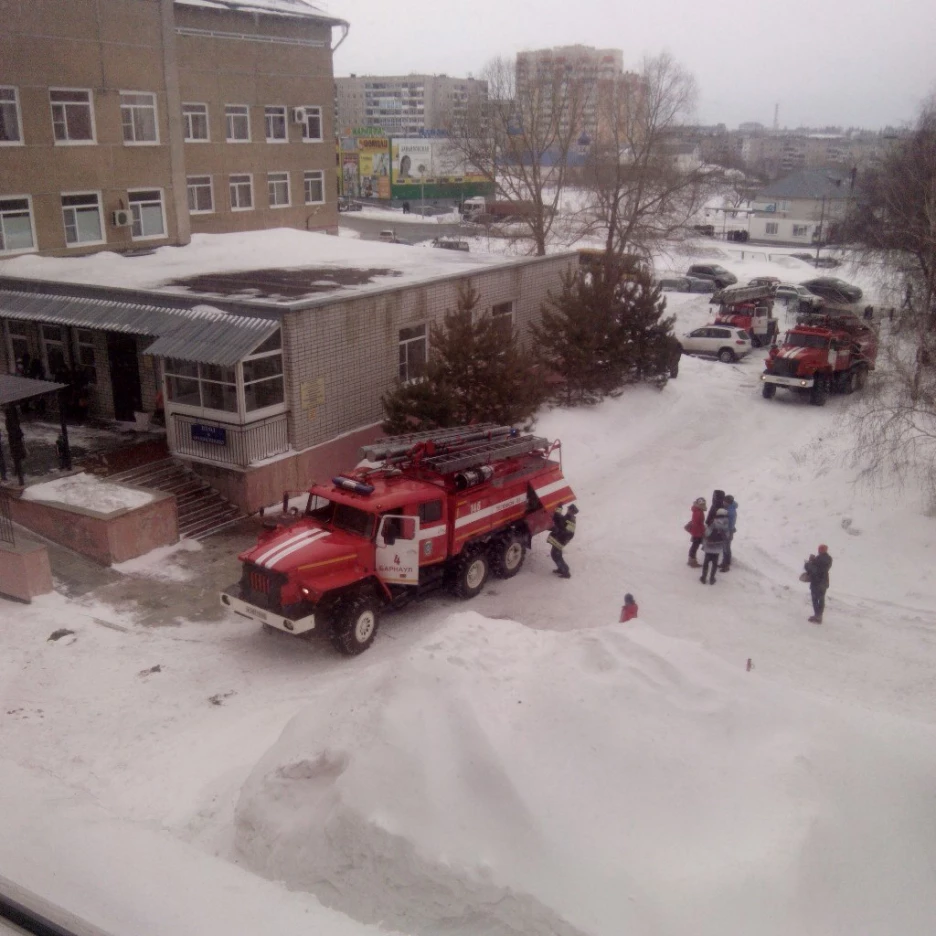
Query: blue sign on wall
x=214, y=435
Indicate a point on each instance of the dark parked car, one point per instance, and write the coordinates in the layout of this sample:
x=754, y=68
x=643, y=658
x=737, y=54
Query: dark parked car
x=712, y=271
x=833, y=290
x=798, y=298
x=448, y=244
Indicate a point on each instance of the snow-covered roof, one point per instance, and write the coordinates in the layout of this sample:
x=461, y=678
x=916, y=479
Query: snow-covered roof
x=809, y=183
x=276, y=7
x=329, y=267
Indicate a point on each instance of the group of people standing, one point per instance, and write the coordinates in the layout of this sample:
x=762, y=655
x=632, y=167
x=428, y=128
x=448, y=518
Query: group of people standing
x=714, y=534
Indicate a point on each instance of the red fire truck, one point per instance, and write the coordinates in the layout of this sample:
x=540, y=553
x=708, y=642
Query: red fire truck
x=750, y=308
x=433, y=509
x=825, y=353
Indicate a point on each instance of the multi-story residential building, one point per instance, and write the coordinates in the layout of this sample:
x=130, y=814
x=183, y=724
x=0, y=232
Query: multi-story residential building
x=405, y=105
x=585, y=66
x=134, y=123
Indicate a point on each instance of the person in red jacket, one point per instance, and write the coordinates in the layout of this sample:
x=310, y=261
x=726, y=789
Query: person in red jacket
x=696, y=529
x=629, y=610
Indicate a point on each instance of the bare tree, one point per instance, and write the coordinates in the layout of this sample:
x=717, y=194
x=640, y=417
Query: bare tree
x=892, y=220
x=639, y=193
x=521, y=139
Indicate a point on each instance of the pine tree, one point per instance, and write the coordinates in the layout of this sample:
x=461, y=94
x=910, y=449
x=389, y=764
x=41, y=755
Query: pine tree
x=477, y=372
x=603, y=331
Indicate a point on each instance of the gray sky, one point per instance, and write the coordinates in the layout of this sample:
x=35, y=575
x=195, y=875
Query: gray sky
x=862, y=63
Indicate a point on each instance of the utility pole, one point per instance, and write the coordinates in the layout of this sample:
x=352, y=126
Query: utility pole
x=819, y=232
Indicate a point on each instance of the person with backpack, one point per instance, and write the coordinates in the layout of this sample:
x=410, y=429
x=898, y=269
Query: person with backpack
x=713, y=544
x=731, y=505
x=696, y=530
x=816, y=572
x=563, y=529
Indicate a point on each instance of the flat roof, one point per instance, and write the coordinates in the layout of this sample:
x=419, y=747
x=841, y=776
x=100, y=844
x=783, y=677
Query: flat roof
x=295, y=8
x=281, y=268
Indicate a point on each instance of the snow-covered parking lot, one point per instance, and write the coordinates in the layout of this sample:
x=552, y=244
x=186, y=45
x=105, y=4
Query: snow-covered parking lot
x=523, y=763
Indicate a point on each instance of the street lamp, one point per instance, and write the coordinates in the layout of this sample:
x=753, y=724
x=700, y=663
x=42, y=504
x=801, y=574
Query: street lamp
x=422, y=188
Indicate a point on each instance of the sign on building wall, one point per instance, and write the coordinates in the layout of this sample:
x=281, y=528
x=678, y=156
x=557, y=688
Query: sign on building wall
x=374, y=166
x=432, y=167
x=213, y=435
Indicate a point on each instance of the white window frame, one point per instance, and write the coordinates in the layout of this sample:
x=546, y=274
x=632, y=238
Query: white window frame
x=162, y=209
x=54, y=104
x=32, y=226
x=801, y=230
x=499, y=315
x=132, y=107
x=241, y=175
x=189, y=186
x=186, y=125
x=305, y=126
x=266, y=125
x=76, y=356
x=405, y=343
x=58, y=343
x=274, y=409
x=19, y=117
x=100, y=204
x=228, y=126
x=767, y=228
x=279, y=181
x=306, y=179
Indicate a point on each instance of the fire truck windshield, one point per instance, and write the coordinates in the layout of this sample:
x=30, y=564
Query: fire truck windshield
x=799, y=340
x=353, y=520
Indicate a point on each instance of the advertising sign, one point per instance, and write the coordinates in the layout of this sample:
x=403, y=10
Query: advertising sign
x=214, y=435
x=374, y=166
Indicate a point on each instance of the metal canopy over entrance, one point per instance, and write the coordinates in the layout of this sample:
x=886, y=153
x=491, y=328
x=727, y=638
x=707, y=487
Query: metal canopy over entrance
x=15, y=390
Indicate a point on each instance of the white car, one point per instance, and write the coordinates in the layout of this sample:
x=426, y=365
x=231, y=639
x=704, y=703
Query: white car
x=722, y=341
x=798, y=298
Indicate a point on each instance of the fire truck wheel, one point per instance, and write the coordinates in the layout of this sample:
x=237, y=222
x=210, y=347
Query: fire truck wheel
x=847, y=382
x=769, y=391
x=507, y=555
x=471, y=573
x=819, y=393
x=354, y=624
x=726, y=355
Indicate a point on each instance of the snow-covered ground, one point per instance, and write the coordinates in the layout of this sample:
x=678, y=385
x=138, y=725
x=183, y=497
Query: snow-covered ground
x=523, y=763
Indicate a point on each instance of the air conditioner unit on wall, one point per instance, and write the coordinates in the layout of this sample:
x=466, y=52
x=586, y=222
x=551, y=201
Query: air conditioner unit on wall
x=122, y=218
x=299, y=115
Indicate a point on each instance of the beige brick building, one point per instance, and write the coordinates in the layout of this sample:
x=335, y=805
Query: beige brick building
x=128, y=124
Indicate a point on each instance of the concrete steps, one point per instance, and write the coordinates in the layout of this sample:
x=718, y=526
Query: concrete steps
x=201, y=509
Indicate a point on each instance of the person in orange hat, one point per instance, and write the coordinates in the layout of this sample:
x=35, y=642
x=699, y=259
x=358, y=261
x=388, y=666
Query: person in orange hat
x=816, y=569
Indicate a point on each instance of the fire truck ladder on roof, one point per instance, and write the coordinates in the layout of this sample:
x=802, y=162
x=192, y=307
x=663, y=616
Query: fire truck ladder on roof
x=400, y=445
x=483, y=453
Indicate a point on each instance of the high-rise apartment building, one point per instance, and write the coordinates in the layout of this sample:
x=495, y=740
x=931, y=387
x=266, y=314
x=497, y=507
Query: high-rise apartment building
x=405, y=105
x=133, y=123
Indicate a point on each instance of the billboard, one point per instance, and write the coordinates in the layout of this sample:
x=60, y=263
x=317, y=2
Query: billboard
x=374, y=166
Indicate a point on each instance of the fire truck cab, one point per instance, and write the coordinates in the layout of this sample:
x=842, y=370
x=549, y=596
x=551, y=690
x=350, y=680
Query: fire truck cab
x=443, y=508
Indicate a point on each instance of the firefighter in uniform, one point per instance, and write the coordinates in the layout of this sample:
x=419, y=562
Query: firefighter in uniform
x=563, y=529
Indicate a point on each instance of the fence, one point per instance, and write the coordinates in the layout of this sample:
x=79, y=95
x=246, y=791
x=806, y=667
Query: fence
x=226, y=443
x=6, y=520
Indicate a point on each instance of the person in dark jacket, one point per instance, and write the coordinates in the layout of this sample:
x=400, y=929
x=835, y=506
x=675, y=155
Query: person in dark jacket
x=817, y=568
x=731, y=505
x=673, y=355
x=696, y=530
x=628, y=609
x=713, y=544
x=563, y=529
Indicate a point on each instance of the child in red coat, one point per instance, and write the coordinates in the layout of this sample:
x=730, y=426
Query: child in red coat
x=629, y=610
x=696, y=530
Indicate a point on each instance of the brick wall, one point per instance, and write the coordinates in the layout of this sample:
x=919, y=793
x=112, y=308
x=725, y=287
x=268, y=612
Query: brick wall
x=341, y=356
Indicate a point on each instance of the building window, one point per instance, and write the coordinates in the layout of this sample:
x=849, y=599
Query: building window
x=53, y=351
x=502, y=318
x=84, y=344
x=414, y=348
x=263, y=376
x=10, y=132
x=195, y=117
x=16, y=227
x=314, y=183
x=20, y=354
x=237, y=122
x=205, y=386
x=82, y=215
x=275, y=120
x=72, y=116
x=138, y=117
x=771, y=227
x=146, y=206
x=278, y=184
x=312, y=126
x=200, y=194
x=800, y=230
x=241, y=192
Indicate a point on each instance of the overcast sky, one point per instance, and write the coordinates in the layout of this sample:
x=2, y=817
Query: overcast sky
x=865, y=63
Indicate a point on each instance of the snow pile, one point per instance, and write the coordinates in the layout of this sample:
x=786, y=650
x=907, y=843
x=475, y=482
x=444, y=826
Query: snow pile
x=502, y=780
x=84, y=490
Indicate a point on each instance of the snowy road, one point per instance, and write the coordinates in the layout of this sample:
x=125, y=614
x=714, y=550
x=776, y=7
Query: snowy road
x=790, y=799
